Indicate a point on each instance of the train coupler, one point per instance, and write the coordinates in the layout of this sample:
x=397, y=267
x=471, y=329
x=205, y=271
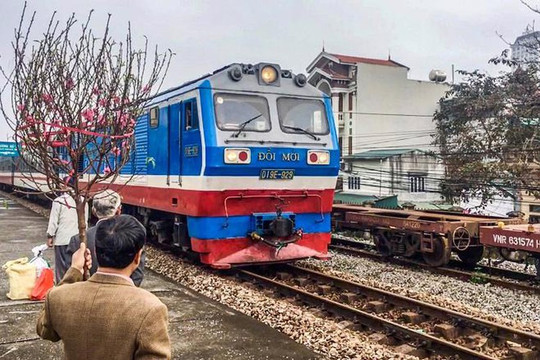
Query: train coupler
x=277, y=242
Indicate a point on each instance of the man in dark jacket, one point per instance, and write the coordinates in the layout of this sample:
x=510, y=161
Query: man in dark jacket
x=105, y=205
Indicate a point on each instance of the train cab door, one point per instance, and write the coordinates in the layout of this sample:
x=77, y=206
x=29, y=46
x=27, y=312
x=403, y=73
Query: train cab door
x=174, y=138
x=190, y=142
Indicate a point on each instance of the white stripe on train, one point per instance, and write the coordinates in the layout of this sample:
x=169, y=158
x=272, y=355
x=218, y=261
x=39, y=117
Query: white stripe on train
x=213, y=183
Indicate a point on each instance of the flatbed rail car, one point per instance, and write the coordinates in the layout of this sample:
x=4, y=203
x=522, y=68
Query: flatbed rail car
x=409, y=232
x=513, y=242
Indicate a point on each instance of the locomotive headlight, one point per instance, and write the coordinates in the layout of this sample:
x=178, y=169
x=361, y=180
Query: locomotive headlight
x=318, y=157
x=231, y=157
x=237, y=156
x=269, y=74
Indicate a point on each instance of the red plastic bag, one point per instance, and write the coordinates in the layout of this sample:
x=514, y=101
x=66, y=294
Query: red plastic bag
x=44, y=282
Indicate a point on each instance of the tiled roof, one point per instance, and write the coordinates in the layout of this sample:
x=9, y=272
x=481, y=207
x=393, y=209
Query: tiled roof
x=356, y=59
x=389, y=202
x=335, y=75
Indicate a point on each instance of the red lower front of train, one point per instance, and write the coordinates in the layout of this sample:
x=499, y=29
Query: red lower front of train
x=224, y=253
x=241, y=227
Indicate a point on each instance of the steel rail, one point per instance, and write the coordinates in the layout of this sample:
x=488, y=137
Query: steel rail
x=371, y=321
x=502, y=331
x=455, y=268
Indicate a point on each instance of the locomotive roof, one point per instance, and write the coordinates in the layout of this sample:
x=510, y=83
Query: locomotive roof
x=188, y=85
x=193, y=84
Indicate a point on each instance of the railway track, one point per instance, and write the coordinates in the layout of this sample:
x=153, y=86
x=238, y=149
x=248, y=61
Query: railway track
x=410, y=325
x=481, y=273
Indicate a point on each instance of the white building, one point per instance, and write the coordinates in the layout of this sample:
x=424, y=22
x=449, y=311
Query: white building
x=411, y=174
x=385, y=125
x=526, y=47
x=376, y=104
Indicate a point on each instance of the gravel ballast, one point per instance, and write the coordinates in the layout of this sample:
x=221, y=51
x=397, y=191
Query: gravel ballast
x=505, y=306
x=323, y=335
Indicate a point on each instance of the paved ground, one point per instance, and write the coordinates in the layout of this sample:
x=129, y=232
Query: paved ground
x=200, y=328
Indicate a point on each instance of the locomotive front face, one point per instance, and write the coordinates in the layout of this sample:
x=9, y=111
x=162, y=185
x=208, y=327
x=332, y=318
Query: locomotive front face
x=271, y=149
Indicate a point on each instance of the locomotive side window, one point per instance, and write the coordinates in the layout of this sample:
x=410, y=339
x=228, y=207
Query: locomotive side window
x=236, y=112
x=154, y=117
x=192, y=117
x=297, y=115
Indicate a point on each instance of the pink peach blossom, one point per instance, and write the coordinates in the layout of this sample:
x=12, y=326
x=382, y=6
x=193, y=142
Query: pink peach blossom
x=69, y=84
x=47, y=98
x=88, y=114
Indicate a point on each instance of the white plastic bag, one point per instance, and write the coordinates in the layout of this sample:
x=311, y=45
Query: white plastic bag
x=38, y=261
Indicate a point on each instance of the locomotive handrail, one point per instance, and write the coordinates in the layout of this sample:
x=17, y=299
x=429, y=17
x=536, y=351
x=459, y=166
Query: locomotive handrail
x=272, y=196
x=227, y=141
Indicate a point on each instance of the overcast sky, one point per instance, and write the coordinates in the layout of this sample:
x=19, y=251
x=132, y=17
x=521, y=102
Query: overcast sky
x=205, y=35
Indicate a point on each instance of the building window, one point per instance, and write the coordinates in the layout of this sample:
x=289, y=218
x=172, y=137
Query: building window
x=350, y=105
x=417, y=184
x=340, y=102
x=534, y=208
x=354, y=183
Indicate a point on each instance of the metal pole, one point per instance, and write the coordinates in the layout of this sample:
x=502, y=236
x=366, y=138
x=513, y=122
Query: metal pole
x=380, y=177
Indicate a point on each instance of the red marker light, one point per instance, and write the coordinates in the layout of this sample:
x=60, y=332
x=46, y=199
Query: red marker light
x=242, y=156
x=313, y=157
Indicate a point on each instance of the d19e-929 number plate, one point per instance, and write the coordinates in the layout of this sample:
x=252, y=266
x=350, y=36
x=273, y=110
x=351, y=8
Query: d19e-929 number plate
x=276, y=174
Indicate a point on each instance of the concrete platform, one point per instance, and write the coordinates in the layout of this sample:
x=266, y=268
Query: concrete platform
x=199, y=327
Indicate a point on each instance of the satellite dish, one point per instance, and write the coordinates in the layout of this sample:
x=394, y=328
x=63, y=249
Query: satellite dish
x=437, y=75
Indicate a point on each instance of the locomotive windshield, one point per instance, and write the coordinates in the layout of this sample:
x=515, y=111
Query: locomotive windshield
x=302, y=115
x=236, y=112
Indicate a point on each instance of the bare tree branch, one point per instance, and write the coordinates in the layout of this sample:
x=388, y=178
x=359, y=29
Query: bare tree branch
x=75, y=99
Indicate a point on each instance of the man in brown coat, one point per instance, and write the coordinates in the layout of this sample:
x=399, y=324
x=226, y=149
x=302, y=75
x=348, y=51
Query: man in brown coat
x=107, y=317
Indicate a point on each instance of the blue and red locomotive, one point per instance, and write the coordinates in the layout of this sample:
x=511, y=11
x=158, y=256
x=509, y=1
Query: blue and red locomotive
x=238, y=166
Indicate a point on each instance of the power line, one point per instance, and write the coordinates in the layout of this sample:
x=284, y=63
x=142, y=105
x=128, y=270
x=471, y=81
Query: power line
x=382, y=114
x=391, y=174
x=378, y=183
